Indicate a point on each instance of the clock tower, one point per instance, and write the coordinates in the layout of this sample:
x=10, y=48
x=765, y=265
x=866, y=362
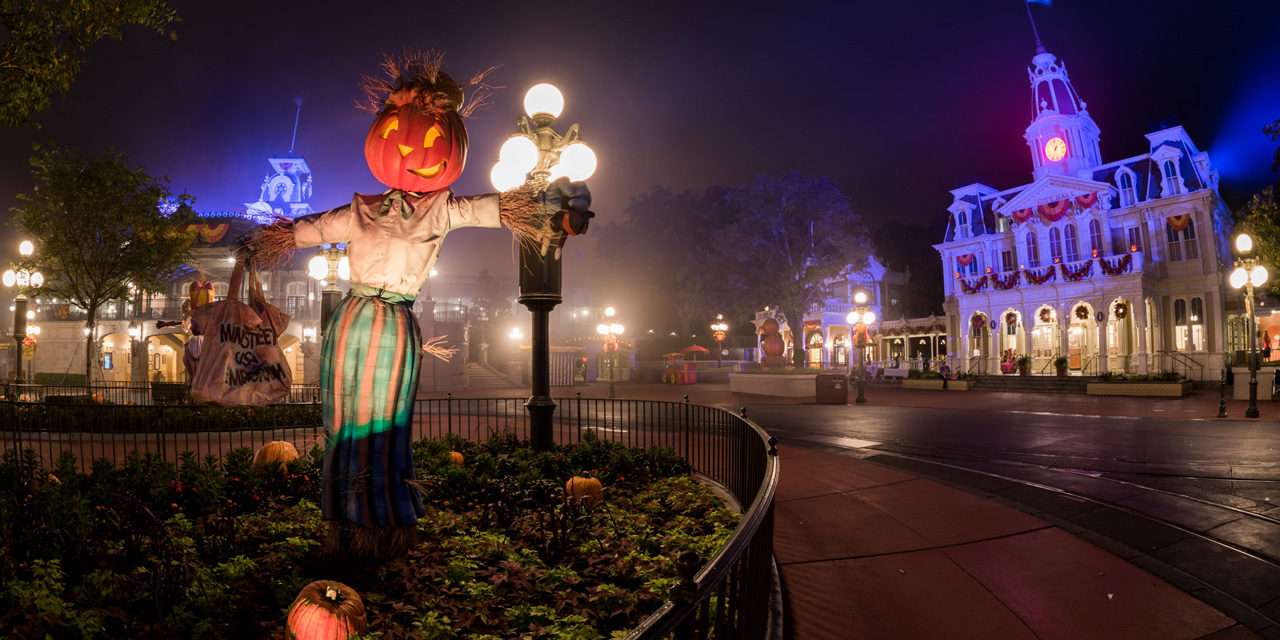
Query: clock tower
x=1063, y=139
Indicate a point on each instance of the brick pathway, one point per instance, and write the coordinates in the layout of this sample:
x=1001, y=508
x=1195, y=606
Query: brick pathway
x=866, y=551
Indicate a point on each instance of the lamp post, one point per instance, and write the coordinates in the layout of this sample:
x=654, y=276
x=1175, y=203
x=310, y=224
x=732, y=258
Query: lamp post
x=718, y=329
x=327, y=267
x=860, y=320
x=538, y=154
x=25, y=279
x=610, y=332
x=1248, y=274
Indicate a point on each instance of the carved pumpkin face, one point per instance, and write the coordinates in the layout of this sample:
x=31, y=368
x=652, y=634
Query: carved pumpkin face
x=418, y=150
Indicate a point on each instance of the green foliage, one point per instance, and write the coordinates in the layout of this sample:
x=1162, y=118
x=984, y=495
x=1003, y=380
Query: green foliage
x=1167, y=376
x=208, y=549
x=1261, y=219
x=1273, y=130
x=46, y=42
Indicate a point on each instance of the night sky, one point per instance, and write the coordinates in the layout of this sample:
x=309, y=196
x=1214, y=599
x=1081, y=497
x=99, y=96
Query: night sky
x=897, y=101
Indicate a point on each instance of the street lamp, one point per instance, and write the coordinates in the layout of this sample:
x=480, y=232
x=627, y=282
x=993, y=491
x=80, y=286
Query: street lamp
x=610, y=331
x=537, y=154
x=25, y=279
x=718, y=329
x=328, y=266
x=1247, y=275
x=860, y=320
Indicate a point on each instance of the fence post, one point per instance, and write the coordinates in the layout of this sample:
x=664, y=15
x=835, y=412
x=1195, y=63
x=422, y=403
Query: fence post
x=686, y=592
x=448, y=410
x=688, y=431
x=577, y=436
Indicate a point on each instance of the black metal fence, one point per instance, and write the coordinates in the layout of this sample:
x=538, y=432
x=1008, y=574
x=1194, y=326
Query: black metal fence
x=727, y=596
x=127, y=393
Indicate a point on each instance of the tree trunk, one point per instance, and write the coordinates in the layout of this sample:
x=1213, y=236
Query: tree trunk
x=798, y=347
x=89, y=344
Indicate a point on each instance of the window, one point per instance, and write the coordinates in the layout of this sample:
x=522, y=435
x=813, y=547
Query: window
x=1128, y=195
x=1055, y=244
x=1073, y=245
x=1006, y=260
x=1135, y=239
x=1095, y=237
x=1190, y=249
x=1182, y=243
x=962, y=224
x=1175, y=242
x=1188, y=328
x=295, y=301
x=1173, y=185
x=1033, y=251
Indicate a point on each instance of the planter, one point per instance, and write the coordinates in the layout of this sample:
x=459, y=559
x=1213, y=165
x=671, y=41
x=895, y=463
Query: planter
x=783, y=385
x=936, y=385
x=1266, y=382
x=1141, y=389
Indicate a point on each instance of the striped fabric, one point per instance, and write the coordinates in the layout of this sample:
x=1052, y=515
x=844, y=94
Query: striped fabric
x=368, y=379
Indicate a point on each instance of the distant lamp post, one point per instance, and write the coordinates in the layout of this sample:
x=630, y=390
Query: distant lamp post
x=328, y=266
x=25, y=279
x=718, y=332
x=1249, y=274
x=860, y=320
x=538, y=154
x=610, y=331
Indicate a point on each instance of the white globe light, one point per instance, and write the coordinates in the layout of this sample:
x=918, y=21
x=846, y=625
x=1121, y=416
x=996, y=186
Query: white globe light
x=85, y=331
x=26, y=248
x=860, y=297
x=515, y=334
x=37, y=279
x=1239, y=277
x=616, y=329
x=869, y=317
x=432, y=273
x=505, y=177
x=543, y=99
x=33, y=330
x=520, y=153
x=1244, y=244
x=31, y=314
x=10, y=278
x=853, y=317
x=577, y=162
x=318, y=267
x=1258, y=275
x=602, y=329
x=344, y=268
x=609, y=312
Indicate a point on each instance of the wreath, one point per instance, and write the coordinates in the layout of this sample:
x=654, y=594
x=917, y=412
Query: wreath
x=975, y=287
x=1006, y=283
x=1011, y=319
x=979, y=321
x=1122, y=311
x=1082, y=312
x=1118, y=266
x=1080, y=272
x=1179, y=222
x=1053, y=211
x=1046, y=275
x=1046, y=315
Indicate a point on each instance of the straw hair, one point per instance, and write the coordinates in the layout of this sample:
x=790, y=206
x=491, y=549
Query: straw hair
x=523, y=213
x=436, y=348
x=416, y=77
x=270, y=246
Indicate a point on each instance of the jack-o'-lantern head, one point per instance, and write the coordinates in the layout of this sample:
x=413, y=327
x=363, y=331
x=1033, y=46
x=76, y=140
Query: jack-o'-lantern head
x=417, y=141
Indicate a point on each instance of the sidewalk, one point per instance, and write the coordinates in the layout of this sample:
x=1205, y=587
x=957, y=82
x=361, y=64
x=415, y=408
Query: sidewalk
x=866, y=551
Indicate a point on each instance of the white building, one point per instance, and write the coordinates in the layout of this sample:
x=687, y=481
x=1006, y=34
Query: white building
x=1118, y=266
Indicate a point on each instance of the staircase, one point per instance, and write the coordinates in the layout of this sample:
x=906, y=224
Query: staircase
x=480, y=376
x=1034, y=384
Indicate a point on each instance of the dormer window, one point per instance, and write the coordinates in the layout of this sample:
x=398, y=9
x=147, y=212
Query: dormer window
x=1172, y=178
x=1128, y=194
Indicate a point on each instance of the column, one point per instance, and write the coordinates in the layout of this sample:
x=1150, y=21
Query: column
x=1064, y=329
x=1028, y=321
x=1103, y=356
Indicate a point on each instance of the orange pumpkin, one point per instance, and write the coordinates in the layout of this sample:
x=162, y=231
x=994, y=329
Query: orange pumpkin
x=273, y=455
x=414, y=148
x=325, y=610
x=456, y=458
x=587, y=492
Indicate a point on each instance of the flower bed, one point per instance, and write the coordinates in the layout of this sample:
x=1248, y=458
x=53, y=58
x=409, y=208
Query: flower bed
x=1158, y=385
x=213, y=550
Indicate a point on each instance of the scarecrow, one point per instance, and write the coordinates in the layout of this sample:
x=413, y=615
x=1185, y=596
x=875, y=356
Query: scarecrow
x=416, y=146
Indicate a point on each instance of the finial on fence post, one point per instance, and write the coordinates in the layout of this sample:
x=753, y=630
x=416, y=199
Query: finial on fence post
x=687, y=566
x=686, y=398
x=742, y=411
x=773, y=445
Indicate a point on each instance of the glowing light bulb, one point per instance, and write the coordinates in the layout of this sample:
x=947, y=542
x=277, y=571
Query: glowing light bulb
x=860, y=297
x=519, y=152
x=602, y=329
x=577, y=162
x=515, y=334
x=318, y=267
x=26, y=248
x=10, y=278
x=505, y=177
x=543, y=99
x=616, y=329
x=1258, y=275
x=37, y=279
x=609, y=312
x=1244, y=244
x=868, y=317
x=853, y=317
x=344, y=268
x=1238, y=278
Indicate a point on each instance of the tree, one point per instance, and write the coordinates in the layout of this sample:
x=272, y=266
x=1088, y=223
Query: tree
x=1261, y=219
x=98, y=227
x=794, y=236
x=46, y=42
x=1273, y=130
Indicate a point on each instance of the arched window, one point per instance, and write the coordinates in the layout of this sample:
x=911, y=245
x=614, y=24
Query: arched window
x=1188, y=328
x=1190, y=249
x=1128, y=195
x=1095, y=237
x=1173, y=186
x=1073, y=245
x=1033, y=251
x=1055, y=244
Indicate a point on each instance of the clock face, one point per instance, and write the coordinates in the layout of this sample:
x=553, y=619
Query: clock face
x=1055, y=149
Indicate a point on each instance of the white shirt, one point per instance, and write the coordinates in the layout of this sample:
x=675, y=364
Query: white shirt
x=392, y=251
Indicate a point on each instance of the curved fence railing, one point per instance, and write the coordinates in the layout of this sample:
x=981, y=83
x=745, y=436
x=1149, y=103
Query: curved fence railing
x=726, y=596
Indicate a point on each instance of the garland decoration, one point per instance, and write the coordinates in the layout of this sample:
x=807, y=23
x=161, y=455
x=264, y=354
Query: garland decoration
x=1006, y=283
x=1046, y=315
x=1179, y=222
x=1122, y=311
x=1082, y=312
x=1119, y=266
x=1047, y=274
x=1021, y=215
x=1087, y=200
x=975, y=287
x=965, y=260
x=1053, y=211
x=1080, y=272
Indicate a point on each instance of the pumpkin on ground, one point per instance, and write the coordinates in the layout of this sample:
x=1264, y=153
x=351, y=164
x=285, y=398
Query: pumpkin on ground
x=456, y=458
x=325, y=610
x=584, y=491
x=271, y=454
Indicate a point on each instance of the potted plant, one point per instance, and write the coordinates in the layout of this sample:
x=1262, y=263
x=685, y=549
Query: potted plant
x=1060, y=363
x=1024, y=365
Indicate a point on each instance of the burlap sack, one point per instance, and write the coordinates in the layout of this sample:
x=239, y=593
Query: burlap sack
x=240, y=359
